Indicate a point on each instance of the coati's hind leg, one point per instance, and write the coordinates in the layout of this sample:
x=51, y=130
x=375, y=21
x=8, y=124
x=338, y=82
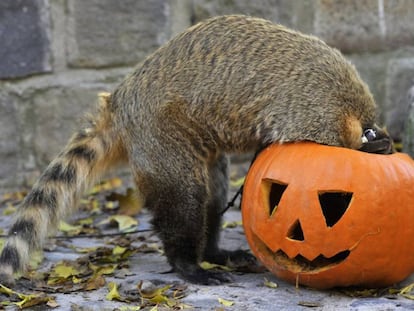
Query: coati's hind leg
x=218, y=182
x=177, y=193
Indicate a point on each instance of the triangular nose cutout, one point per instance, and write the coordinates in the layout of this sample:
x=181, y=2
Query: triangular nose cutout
x=334, y=205
x=295, y=232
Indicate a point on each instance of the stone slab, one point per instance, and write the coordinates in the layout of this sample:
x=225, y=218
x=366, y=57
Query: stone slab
x=24, y=37
x=365, y=25
x=104, y=33
x=399, y=79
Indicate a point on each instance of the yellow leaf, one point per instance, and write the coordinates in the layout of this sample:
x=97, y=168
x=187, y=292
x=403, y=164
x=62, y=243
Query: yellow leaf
x=106, y=185
x=86, y=249
x=129, y=308
x=270, y=284
x=85, y=221
x=16, y=196
x=125, y=223
x=10, y=209
x=61, y=272
x=100, y=270
x=113, y=292
x=209, y=266
x=119, y=250
x=76, y=280
x=65, y=227
x=130, y=203
x=231, y=224
x=6, y=290
x=111, y=205
x=226, y=303
x=406, y=291
x=237, y=183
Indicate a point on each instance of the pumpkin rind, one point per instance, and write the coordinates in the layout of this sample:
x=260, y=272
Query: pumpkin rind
x=369, y=245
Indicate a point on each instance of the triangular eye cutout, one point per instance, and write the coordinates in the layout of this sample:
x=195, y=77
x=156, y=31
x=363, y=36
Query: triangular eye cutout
x=295, y=232
x=275, y=195
x=334, y=205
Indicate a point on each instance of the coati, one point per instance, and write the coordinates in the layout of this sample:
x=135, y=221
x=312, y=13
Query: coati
x=229, y=84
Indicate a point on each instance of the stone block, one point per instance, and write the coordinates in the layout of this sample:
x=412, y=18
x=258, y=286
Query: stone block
x=24, y=37
x=105, y=33
x=372, y=69
x=56, y=114
x=9, y=141
x=400, y=74
x=365, y=25
x=292, y=13
x=408, y=139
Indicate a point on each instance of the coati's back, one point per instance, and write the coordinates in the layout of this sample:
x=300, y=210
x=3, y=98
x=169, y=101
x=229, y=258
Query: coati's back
x=253, y=82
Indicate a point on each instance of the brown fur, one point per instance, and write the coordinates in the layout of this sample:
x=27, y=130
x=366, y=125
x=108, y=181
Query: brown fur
x=227, y=85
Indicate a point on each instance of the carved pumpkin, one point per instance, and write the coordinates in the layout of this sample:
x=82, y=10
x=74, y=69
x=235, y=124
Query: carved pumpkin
x=326, y=216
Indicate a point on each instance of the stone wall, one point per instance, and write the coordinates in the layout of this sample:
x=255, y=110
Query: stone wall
x=55, y=55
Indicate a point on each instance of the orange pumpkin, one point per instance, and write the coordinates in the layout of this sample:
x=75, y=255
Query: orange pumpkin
x=326, y=216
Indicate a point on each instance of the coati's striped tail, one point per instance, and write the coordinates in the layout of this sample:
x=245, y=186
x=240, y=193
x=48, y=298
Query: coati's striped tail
x=89, y=153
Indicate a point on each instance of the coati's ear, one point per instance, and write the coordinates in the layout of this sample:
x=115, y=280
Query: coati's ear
x=377, y=140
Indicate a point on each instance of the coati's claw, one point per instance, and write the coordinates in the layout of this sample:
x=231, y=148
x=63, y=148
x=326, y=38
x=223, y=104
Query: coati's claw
x=195, y=274
x=205, y=277
x=240, y=258
x=234, y=259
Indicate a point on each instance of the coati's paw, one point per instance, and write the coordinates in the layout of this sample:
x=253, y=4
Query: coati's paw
x=377, y=141
x=195, y=274
x=237, y=258
x=240, y=258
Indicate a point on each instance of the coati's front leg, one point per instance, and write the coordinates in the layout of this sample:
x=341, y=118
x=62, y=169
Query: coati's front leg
x=175, y=183
x=180, y=220
x=218, y=182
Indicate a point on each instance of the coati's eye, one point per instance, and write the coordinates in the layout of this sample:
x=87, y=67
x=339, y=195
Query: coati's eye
x=369, y=135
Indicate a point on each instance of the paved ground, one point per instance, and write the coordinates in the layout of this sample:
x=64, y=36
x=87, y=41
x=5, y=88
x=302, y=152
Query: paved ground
x=248, y=292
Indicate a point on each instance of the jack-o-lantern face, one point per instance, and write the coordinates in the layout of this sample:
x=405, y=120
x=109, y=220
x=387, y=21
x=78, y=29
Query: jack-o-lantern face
x=326, y=216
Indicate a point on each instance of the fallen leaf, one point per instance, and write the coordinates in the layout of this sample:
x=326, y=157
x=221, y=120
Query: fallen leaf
x=68, y=228
x=209, y=266
x=226, y=303
x=270, y=284
x=62, y=271
x=9, y=210
x=65, y=270
x=113, y=293
x=129, y=204
x=232, y=224
x=309, y=304
x=129, y=308
x=237, y=183
x=156, y=295
x=406, y=291
x=118, y=250
x=125, y=223
x=95, y=282
x=26, y=300
x=52, y=303
x=106, y=185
